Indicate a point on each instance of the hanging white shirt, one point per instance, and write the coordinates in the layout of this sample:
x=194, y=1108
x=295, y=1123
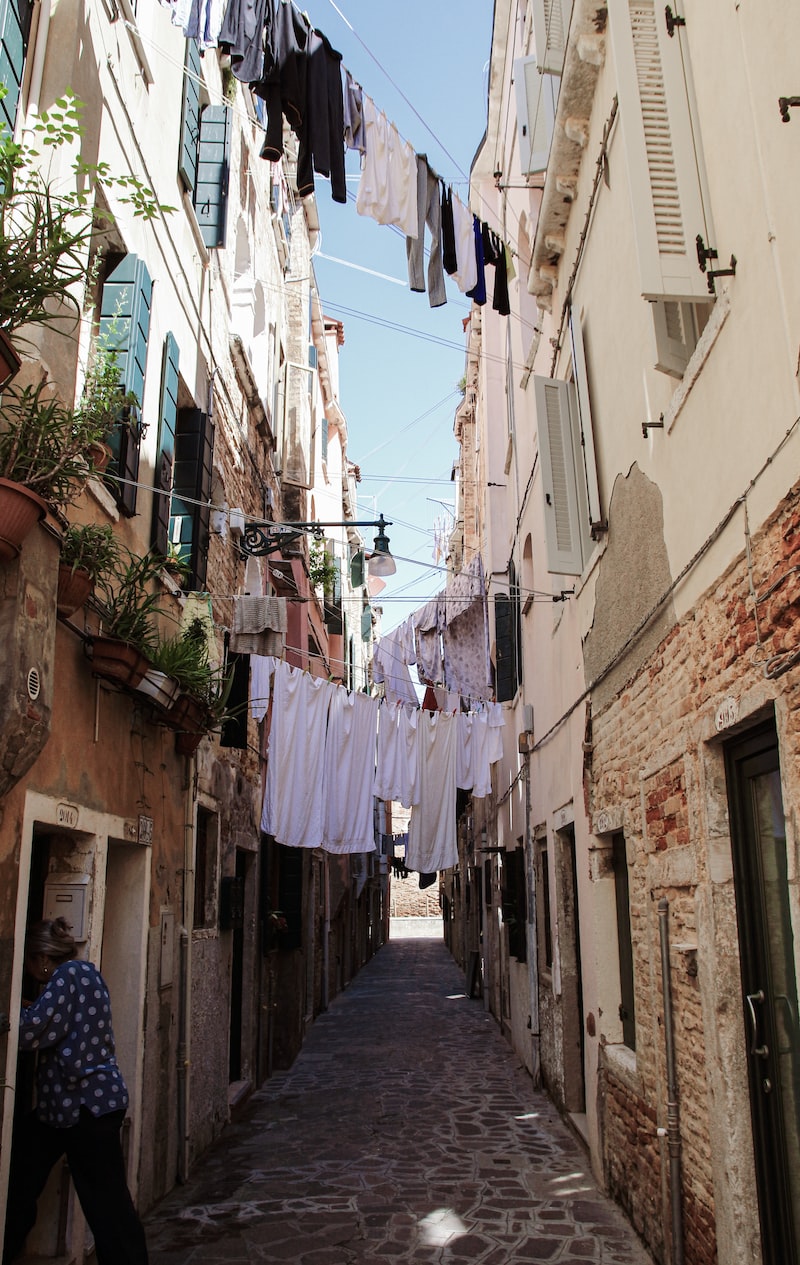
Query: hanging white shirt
x=387, y=190
x=294, y=793
x=432, y=842
x=349, y=772
x=466, y=275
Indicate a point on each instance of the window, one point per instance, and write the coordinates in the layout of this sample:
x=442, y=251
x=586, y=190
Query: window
x=627, y=1011
x=507, y=647
x=537, y=97
x=204, y=160
x=515, y=903
x=573, y=517
x=678, y=327
x=290, y=895
x=191, y=491
x=205, y=868
x=234, y=728
x=550, y=30
x=15, y=28
x=125, y=326
x=168, y=416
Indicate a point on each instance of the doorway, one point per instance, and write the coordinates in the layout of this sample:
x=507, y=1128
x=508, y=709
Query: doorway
x=769, y=985
x=569, y=936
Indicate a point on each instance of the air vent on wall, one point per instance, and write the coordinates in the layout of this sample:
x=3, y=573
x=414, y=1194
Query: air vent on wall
x=34, y=684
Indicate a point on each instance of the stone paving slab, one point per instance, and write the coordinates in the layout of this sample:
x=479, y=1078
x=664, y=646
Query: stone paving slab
x=406, y=1133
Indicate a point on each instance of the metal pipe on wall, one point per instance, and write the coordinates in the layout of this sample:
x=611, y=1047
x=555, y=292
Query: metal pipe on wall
x=673, y=1110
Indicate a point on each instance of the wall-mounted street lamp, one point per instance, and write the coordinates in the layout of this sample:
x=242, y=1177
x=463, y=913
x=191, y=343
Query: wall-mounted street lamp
x=261, y=539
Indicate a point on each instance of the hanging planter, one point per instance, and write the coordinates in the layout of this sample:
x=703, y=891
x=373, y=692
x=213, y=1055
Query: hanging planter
x=74, y=586
x=99, y=455
x=10, y=361
x=188, y=715
x=20, y=511
x=163, y=689
x=117, y=661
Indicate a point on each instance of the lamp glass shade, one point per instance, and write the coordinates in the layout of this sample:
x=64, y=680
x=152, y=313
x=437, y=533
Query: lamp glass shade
x=381, y=563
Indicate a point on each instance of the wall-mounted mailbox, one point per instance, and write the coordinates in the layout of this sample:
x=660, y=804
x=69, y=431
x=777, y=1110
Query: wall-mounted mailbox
x=67, y=896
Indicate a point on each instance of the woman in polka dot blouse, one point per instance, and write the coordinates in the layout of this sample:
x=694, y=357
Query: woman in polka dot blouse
x=81, y=1100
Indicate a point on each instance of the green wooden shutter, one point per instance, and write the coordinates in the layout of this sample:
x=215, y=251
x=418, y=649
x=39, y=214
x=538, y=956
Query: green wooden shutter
x=190, y=117
x=168, y=416
x=125, y=325
x=505, y=674
x=211, y=183
x=191, y=491
x=357, y=569
x=15, y=26
x=366, y=623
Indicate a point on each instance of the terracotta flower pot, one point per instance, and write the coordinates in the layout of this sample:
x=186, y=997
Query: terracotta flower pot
x=117, y=661
x=99, y=456
x=73, y=589
x=187, y=744
x=10, y=361
x=20, y=511
x=188, y=715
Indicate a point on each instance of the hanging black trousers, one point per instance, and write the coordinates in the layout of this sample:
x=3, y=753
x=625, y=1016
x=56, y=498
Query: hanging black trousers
x=94, y=1153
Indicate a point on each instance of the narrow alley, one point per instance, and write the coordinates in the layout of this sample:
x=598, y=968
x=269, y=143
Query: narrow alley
x=406, y=1130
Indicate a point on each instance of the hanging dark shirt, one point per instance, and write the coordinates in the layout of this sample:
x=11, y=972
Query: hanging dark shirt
x=284, y=82
x=478, y=291
x=494, y=252
x=449, y=260
x=246, y=27
x=322, y=142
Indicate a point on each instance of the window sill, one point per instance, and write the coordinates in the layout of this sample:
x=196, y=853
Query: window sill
x=698, y=358
x=621, y=1062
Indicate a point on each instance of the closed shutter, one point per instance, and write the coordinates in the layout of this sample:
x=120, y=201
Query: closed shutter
x=323, y=435
x=505, y=649
x=191, y=491
x=366, y=623
x=190, y=117
x=125, y=326
x=15, y=27
x=550, y=29
x=561, y=505
x=166, y=445
x=664, y=159
x=211, y=184
x=589, y=461
x=537, y=97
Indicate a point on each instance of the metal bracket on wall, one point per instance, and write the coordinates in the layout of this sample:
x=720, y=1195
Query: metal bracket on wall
x=785, y=104
x=673, y=20
x=659, y=425
x=704, y=254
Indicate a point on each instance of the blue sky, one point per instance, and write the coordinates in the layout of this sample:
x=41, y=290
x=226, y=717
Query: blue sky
x=398, y=390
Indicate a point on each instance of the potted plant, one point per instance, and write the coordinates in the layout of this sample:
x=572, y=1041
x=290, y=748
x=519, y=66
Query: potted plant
x=43, y=459
x=128, y=603
x=204, y=688
x=87, y=552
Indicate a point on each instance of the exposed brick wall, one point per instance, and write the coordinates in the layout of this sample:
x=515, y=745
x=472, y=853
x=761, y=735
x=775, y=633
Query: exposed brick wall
x=407, y=901
x=649, y=760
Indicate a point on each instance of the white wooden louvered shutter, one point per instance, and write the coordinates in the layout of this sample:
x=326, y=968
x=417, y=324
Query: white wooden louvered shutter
x=550, y=29
x=556, y=453
x=587, y=455
x=675, y=336
x=537, y=97
x=662, y=150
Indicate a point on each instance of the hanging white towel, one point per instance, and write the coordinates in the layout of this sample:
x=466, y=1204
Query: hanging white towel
x=261, y=669
x=432, y=843
x=396, y=769
x=348, y=773
x=294, y=796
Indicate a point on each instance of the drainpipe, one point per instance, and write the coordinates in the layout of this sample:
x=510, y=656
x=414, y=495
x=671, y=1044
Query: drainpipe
x=673, y=1112
x=185, y=982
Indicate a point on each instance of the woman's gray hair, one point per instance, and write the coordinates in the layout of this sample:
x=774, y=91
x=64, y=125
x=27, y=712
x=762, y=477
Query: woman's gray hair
x=52, y=936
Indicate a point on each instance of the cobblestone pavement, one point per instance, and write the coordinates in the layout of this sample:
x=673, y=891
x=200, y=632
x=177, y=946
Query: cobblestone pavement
x=406, y=1131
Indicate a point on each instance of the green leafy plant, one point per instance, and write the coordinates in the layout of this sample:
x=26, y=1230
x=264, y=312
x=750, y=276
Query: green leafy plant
x=321, y=569
x=45, y=235
x=104, y=401
x=185, y=657
x=129, y=602
x=44, y=445
x=89, y=547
